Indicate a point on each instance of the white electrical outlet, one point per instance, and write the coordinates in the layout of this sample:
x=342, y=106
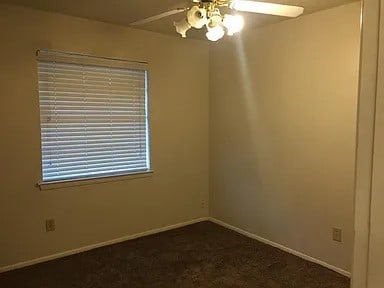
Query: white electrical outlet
x=337, y=235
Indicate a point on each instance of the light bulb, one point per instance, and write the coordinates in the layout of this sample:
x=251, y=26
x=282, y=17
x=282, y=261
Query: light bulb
x=215, y=33
x=182, y=27
x=214, y=27
x=233, y=24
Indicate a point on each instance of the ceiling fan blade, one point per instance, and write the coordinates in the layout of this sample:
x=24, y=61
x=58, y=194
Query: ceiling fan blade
x=157, y=17
x=267, y=8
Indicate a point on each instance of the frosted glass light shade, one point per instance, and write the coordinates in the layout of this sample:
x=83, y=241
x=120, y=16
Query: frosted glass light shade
x=234, y=24
x=215, y=33
x=182, y=27
x=197, y=17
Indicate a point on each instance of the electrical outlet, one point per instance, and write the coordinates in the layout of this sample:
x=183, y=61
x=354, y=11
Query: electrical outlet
x=50, y=225
x=337, y=234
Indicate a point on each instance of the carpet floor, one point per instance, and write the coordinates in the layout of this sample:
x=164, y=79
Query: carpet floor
x=201, y=255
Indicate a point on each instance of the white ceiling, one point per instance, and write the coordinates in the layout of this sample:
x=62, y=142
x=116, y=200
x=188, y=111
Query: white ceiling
x=124, y=12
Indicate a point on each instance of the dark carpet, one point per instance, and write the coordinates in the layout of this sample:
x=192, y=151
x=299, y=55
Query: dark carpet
x=200, y=255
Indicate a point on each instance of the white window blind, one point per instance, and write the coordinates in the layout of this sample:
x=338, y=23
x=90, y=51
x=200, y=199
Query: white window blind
x=94, y=116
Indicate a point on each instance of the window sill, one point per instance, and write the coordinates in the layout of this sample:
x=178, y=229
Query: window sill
x=91, y=181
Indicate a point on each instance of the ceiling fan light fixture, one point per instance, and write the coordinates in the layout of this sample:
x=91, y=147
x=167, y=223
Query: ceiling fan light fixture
x=233, y=23
x=182, y=27
x=266, y=8
x=209, y=13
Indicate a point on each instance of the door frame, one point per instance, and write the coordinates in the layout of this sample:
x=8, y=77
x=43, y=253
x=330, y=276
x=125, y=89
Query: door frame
x=370, y=20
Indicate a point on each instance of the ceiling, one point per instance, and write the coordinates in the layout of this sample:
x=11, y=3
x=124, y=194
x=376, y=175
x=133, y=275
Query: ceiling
x=124, y=12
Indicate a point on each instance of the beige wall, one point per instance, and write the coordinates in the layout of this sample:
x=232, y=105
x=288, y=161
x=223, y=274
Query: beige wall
x=178, y=189
x=282, y=122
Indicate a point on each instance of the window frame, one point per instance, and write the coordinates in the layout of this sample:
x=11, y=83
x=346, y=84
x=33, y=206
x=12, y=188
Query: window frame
x=103, y=178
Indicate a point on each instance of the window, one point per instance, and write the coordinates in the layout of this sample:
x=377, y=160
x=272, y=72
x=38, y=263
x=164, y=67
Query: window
x=93, y=115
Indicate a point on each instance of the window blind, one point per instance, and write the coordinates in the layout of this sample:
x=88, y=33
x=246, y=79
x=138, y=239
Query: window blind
x=94, y=117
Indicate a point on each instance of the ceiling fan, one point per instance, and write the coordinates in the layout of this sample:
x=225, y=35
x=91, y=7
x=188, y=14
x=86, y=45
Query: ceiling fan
x=207, y=13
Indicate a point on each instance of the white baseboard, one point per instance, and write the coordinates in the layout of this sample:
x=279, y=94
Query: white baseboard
x=281, y=247
x=98, y=245
x=171, y=227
